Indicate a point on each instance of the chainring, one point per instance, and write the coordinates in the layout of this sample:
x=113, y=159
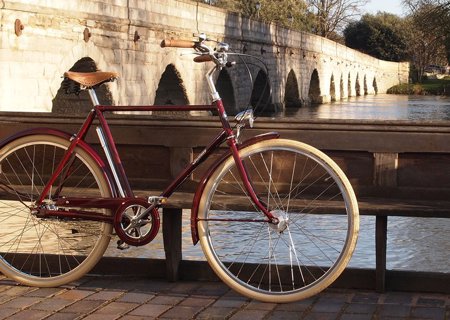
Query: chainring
x=133, y=230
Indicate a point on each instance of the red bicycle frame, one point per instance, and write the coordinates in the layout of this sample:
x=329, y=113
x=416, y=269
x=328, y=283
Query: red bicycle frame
x=120, y=186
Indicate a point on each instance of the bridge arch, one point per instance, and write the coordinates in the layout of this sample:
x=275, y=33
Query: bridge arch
x=332, y=89
x=72, y=56
x=79, y=104
x=314, y=88
x=171, y=90
x=357, y=86
x=375, y=85
x=349, y=85
x=261, y=99
x=225, y=88
x=366, y=91
x=291, y=92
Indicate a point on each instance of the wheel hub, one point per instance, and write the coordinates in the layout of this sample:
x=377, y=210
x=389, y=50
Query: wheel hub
x=283, y=220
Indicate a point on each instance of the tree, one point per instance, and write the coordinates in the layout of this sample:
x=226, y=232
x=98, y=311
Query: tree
x=382, y=35
x=331, y=16
x=291, y=14
x=432, y=18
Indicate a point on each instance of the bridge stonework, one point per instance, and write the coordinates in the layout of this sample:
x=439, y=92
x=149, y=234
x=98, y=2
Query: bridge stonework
x=124, y=36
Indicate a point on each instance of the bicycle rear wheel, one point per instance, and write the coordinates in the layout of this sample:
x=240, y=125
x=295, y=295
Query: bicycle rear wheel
x=314, y=239
x=51, y=251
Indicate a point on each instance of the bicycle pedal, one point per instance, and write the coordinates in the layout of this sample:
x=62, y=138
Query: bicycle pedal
x=121, y=245
x=154, y=200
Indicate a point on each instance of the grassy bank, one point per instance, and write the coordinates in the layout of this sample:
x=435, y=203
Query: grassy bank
x=439, y=87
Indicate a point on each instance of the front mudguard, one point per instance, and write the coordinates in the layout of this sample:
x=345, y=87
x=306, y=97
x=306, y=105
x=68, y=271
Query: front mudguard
x=210, y=171
x=66, y=136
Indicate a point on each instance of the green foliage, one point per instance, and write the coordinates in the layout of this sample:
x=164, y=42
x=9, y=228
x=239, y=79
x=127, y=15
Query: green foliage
x=427, y=87
x=288, y=13
x=382, y=36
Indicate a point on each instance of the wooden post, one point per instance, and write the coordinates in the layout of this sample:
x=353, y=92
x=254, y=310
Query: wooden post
x=385, y=175
x=385, y=169
x=172, y=241
x=380, y=253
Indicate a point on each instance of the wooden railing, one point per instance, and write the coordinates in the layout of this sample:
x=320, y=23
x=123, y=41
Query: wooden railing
x=397, y=168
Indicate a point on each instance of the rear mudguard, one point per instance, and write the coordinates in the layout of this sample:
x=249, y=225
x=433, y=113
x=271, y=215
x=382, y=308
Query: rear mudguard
x=67, y=136
x=209, y=172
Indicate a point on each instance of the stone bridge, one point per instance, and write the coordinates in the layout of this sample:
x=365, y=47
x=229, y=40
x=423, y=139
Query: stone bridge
x=42, y=39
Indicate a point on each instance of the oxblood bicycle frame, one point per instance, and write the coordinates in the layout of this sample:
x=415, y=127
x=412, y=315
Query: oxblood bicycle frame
x=121, y=187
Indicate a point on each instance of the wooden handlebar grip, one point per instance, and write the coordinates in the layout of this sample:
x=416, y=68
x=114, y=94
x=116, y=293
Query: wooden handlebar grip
x=177, y=43
x=203, y=58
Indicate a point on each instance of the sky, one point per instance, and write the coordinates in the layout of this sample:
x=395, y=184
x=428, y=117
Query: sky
x=391, y=6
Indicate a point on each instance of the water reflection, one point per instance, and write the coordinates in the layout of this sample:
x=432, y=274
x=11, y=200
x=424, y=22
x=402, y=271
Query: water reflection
x=379, y=107
x=419, y=244
x=413, y=243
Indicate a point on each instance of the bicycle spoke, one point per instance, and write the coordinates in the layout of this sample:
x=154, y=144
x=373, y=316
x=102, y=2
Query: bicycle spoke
x=287, y=260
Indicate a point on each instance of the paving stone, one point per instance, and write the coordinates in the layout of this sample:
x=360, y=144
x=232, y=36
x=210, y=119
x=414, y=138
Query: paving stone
x=432, y=302
x=63, y=316
x=181, y=312
x=52, y=304
x=356, y=316
x=75, y=294
x=6, y=312
x=136, y=297
x=249, y=315
x=392, y=310
x=170, y=300
x=197, y=302
x=44, y=292
x=84, y=306
x=229, y=303
x=117, y=308
x=212, y=289
x=323, y=306
x=152, y=286
x=208, y=300
x=284, y=315
x=130, y=317
x=298, y=306
x=184, y=287
x=96, y=316
x=398, y=298
x=152, y=310
x=105, y=295
x=361, y=308
x=365, y=297
x=428, y=312
x=257, y=305
x=320, y=316
x=215, y=313
x=30, y=315
x=20, y=302
x=18, y=290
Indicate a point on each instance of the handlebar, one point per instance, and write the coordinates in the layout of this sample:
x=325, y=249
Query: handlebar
x=203, y=58
x=178, y=43
x=206, y=53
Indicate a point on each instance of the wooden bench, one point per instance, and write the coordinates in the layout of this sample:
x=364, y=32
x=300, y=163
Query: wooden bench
x=397, y=168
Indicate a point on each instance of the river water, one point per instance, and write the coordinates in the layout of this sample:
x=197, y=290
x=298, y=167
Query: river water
x=380, y=107
x=413, y=243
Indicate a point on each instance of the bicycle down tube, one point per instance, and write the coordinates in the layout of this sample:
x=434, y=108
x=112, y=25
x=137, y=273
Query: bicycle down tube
x=122, y=186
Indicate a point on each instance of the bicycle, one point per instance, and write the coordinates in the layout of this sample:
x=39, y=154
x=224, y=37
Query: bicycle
x=277, y=219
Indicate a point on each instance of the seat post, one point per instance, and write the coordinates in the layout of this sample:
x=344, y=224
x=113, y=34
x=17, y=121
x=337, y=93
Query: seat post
x=93, y=97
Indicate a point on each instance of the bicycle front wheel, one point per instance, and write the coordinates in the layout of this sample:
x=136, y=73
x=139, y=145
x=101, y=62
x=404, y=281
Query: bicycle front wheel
x=50, y=251
x=317, y=230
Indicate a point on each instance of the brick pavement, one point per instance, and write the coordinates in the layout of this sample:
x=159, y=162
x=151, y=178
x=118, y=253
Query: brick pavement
x=128, y=298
